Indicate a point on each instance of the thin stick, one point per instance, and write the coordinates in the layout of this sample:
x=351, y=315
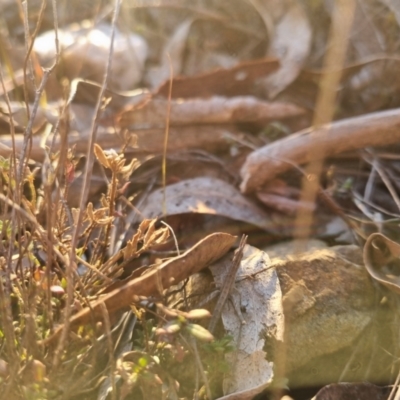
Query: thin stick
x=228, y=285
x=164, y=159
x=386, y=180
x=342, y=19
x=201, y=368
x=107, y=328
x=85, y=191
x=325, y=107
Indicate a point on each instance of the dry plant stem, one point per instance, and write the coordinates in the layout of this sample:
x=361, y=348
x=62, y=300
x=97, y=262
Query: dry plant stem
x=164, y=159
x=23, y=11
x=325, y=106
x=7, y=324
x=111, y=211
x=200, y=367
x=31, y=117
x=8, y=329
x=229, y=283
x=395, y=388
x=174, y=237
x=85, y=191
x=107, y=327
x=397, y=396
x=324, y=112
x=51, y=211
x=13, y=175
x=35, y=224
x=11, y=121
x=169, y=273
x=24, y=156
x=386, y=180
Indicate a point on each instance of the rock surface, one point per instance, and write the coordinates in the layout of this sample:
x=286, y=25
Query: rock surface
x=335, y=326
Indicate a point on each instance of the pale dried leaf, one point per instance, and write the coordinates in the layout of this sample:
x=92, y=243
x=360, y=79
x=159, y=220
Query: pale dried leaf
x=199, y=332
x=75, y=213
x=104, y=221
x=101, y=157
x=291, y=44
x=197, y=314
x=89, y=211
x=127, y=170
x=131, y=247
x=144, y=225
x=214, y=110
x=260, y=300
x=149, y=232
x=162, y=236
x=85, y=50
x=205, y=195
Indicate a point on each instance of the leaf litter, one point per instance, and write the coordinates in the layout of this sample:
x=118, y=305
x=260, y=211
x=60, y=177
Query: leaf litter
x=247, y=112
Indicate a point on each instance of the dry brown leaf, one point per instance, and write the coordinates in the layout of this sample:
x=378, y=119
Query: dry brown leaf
x=215, y=110
x=236, y=81
x=264, y=164
x=206, y=137
x=205, y=195
x=161, y=277
x=87, y=92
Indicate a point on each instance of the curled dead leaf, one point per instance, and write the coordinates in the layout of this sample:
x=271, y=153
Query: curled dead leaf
x=265, y=163
x=381, y=259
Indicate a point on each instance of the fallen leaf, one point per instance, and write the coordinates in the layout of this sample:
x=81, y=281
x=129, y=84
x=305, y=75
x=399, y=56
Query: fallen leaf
x=204, y=137
x=214, y=110
x=85, y=49
x=235, y=81
x=291, y=43
x=264, y=164
x=87, y=92
x=205, y=195
x=381, y=258
x=260, y=300
x=152, y=283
